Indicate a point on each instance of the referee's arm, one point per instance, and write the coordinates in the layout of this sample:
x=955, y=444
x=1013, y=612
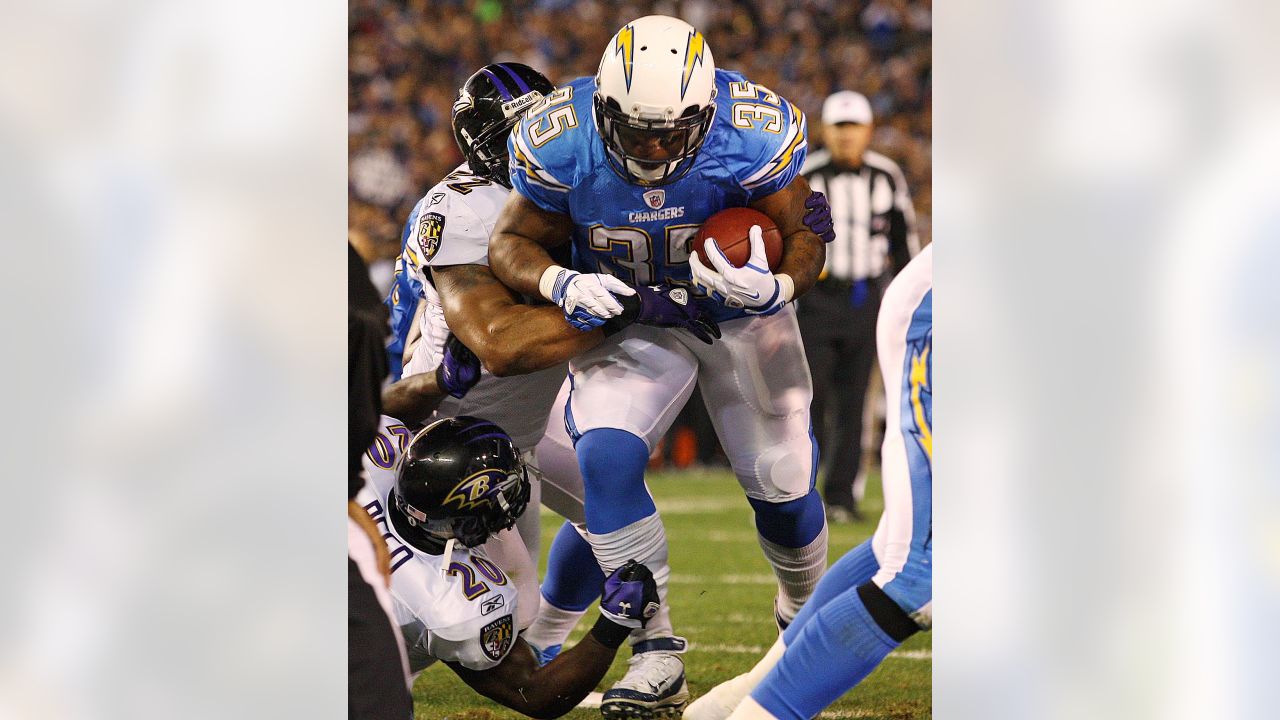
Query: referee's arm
x=904, y=243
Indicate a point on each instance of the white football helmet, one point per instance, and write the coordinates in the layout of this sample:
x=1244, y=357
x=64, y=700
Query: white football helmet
x=655, y=98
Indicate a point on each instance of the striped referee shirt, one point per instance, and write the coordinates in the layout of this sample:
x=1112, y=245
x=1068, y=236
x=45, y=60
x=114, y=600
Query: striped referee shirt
x=874, y=219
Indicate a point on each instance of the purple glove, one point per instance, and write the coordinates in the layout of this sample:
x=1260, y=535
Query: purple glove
x=818, y=219
x=630, y=595
x=666, y=306
x=459, y=369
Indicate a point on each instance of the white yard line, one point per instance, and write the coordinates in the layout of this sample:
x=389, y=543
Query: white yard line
x=912, y=654
x=729, y=536
x=721, y=648
x=759, y=650
x=691, y=506
x=747, y=579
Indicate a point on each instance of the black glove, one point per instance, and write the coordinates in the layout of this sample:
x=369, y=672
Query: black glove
x=666, y=305
x=459, y=369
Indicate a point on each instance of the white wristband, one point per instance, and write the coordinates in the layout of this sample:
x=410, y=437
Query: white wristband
x=786, y=286
x=547, y=283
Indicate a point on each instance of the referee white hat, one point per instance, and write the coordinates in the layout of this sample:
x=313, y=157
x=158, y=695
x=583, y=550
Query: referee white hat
x=846, y=106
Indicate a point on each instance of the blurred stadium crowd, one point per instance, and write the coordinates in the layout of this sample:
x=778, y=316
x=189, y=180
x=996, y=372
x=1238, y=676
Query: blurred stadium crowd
x=408, y=57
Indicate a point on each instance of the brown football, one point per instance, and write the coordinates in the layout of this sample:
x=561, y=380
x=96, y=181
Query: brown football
x=729, y=227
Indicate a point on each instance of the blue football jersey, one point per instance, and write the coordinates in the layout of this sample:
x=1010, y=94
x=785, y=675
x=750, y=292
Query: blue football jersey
x=642, y=235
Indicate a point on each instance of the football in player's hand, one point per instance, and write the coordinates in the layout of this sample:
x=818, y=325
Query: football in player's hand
x=730, y=227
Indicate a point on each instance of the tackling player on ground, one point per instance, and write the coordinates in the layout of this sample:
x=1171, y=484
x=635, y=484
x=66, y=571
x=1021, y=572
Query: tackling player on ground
x=626, y=166
x=456, y=485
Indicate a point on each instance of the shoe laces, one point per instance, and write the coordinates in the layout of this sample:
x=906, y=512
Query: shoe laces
x=655, y=668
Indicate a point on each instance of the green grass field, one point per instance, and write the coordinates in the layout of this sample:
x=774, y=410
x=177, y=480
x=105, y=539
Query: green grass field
x=721, y=596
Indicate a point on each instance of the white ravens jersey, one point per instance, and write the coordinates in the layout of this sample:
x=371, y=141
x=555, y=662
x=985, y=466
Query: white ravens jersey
x=464, y=613
x=451, y=225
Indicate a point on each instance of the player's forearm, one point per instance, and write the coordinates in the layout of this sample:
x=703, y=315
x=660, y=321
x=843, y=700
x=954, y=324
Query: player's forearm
x=557, y=687
x=518, y=262
x=510, y=338
x=526, y=339
x=803, y=256
x=517, y=247
x=412, y=399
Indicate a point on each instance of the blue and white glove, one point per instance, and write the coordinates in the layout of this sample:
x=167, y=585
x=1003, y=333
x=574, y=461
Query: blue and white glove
x=587, y=300
x=630, y=596
x=752, y=287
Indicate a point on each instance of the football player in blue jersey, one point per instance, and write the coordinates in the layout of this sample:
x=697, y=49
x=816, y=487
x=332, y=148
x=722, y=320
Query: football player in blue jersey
x=445, y=288
x=881, y=592
x=625, y=166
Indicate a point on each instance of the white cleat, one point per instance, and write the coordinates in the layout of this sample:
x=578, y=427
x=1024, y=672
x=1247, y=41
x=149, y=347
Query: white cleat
x=654, y=686
x=721, y=701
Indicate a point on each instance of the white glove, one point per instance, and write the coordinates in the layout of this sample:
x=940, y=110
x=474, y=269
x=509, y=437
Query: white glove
x=587, y=300
x=751, y=287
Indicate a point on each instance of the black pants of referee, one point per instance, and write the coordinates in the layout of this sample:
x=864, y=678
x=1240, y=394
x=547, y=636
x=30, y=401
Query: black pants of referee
x=375, y=677
x=838, y=325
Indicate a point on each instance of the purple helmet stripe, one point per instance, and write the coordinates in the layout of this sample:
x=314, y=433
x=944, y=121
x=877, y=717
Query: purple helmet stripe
x=503, y=90
x=487, y=436
x=515, y=76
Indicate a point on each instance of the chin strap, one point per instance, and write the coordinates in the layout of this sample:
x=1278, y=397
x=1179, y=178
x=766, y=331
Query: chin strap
x=448, y=557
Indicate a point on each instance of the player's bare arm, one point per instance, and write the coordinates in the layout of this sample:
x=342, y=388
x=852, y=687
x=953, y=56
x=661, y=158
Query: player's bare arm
x=542, y=692
x=803, y=252
x=510, y=338
x=629, y=599
x=413, y=398
x=517, y=248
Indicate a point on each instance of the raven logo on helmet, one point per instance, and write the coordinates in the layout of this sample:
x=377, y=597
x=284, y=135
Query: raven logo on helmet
x=464, y=102
x=475, y=490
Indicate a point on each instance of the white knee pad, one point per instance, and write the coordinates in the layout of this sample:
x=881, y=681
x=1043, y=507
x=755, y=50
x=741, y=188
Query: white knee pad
x=778, y=473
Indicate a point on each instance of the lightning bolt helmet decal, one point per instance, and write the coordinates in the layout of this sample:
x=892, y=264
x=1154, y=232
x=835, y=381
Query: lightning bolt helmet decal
x=693, y=51
x=625, y=46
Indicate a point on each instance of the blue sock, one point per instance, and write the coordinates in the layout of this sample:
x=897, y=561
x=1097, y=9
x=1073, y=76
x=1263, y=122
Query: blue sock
x=613, y=463
x=839, y=646
x=855, y=568
x=573, y=578
x=792, y=524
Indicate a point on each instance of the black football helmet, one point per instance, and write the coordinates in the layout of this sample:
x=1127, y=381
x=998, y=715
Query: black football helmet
x=488, y=106
x=460, y=478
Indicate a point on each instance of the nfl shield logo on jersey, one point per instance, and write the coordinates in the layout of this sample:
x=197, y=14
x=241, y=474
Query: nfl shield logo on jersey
x=496, y=638
x=655, y=198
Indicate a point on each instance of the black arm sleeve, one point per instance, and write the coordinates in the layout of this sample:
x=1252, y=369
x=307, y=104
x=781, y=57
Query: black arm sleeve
x=367, y=330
